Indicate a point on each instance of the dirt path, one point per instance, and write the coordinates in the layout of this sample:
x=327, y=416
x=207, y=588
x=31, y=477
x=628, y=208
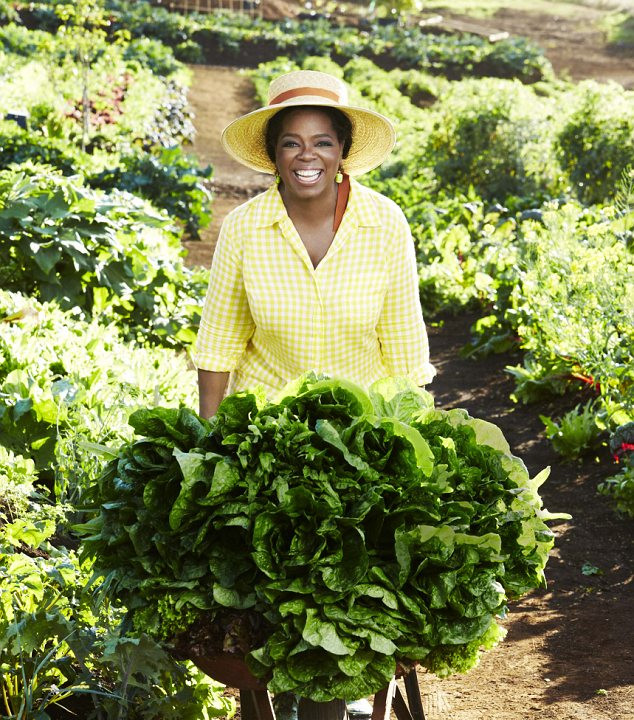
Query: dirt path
x=569, y=653
x=218, y=95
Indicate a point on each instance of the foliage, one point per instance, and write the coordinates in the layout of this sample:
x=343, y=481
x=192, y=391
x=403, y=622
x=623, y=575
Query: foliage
x=494, y=136
x=127, y=117
x=622, y=440
x=152, y=54
x=60, y=641
x=8, y=13
x=111, y=255
x=18, y=145
x=239, y=39
x=84, y=22
x=169, y=179
x=619, y=27
x=576, y=433
x=66, y=383
x=572, y=302
x=363, y=529
x=596, y=142
x=620, y=487
x=172, y=118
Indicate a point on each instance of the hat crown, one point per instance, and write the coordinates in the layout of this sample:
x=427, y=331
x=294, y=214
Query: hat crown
x=307, y=87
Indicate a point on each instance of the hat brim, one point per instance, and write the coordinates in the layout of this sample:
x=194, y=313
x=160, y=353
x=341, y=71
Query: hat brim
x=373, y=138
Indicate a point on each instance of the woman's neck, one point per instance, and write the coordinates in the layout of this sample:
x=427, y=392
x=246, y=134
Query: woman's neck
x=311, y=211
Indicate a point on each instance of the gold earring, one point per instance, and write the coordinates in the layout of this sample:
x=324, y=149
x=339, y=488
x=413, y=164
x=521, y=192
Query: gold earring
x=339, y=177
x=278, y=179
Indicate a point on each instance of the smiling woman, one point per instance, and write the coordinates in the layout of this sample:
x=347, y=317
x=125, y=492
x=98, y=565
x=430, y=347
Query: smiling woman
x=318, y=272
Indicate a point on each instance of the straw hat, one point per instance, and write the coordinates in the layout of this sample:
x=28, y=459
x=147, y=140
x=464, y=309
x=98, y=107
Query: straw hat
x=372, y=134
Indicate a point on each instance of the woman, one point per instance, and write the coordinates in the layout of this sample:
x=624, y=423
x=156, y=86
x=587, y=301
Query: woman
x=318, y=272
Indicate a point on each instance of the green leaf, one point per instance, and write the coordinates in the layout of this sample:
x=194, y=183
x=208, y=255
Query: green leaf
x=398, y=397
x=351, y=569
x=232, y=598
x=195, y=473
x=319, y=633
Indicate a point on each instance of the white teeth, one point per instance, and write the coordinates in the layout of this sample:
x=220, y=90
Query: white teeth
x=308, y=174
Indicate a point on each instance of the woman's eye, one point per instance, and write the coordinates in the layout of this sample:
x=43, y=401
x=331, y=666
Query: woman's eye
x=289, y=143
x=327, y=143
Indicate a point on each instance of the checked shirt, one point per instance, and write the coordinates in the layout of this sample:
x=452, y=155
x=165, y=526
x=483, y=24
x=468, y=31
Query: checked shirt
x=270, y=316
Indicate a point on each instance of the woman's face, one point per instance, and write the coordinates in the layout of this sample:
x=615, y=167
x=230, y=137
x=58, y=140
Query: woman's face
x=307, y=154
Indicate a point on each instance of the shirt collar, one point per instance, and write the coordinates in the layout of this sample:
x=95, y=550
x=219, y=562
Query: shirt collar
x=269, y=208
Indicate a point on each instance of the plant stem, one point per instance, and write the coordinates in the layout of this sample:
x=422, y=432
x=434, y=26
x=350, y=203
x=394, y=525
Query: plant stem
x=5, y=697
x=124, y=687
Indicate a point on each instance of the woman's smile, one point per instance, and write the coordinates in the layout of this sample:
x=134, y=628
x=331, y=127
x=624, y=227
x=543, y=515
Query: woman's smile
x=309, y=176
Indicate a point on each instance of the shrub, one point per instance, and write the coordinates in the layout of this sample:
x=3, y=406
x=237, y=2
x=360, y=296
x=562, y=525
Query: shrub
x=18, y=145
x=168, y=178
x=60, y=642
x=65, y=381
x=596, y=142
x=495, y=136
x=111, y=255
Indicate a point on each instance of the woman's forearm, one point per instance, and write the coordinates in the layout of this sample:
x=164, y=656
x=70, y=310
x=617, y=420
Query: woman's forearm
x=211, y=390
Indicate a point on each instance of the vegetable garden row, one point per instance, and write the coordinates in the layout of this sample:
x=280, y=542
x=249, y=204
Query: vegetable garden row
x=520, y=196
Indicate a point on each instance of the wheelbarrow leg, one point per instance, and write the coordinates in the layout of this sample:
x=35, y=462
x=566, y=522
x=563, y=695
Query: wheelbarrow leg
x=413, y=696
x=256, y=705
x=383, y=702
x=400, y=706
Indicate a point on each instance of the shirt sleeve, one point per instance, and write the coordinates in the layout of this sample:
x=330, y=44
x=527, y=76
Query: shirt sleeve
x=226, y=324
x=401, y=328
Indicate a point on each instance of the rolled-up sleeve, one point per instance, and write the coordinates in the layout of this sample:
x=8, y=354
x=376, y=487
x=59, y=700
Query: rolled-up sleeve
x=401, y=328
x=226, y=324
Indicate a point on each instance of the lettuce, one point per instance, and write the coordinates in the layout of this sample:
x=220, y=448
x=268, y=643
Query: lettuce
x=361, y=528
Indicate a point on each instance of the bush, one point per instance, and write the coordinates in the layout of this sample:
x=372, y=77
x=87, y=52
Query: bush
x=620, y=488
x=238, y=39
x=491, y=135
x=168, y=178
x=152, y=54
x=596, y=143
x=60, y=642
x=18, y=145
x=110, y=255
x=65, y=381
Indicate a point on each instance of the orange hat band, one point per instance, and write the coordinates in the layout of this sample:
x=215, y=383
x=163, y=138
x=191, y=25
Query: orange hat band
x=298, y=92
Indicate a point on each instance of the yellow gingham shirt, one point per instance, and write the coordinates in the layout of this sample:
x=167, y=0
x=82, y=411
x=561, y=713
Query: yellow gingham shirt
x=270, y=316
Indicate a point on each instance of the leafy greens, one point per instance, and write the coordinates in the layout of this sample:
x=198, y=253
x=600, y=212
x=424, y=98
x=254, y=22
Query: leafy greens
x=363, y=528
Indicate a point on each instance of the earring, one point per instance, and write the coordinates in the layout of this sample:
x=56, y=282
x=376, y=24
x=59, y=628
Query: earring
x=339, y=177
x=278, y=179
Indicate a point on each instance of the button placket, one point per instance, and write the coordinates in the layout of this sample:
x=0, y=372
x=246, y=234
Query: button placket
x=318, y=323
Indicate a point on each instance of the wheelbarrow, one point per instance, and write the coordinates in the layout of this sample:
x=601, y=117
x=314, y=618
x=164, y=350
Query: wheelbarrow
x=256, y=703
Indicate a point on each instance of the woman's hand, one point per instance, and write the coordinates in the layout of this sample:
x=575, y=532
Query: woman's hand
x=211, y=390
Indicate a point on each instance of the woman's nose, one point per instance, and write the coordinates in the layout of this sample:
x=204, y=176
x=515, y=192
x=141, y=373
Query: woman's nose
x=306, y=152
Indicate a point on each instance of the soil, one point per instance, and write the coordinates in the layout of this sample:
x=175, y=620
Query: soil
x=569, y=652
x=574, y=45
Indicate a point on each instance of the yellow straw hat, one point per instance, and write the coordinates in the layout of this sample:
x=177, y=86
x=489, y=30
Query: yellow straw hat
x=373, y=135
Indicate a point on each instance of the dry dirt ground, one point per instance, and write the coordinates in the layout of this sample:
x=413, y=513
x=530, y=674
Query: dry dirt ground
x=574, y=45
x=569, y=653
